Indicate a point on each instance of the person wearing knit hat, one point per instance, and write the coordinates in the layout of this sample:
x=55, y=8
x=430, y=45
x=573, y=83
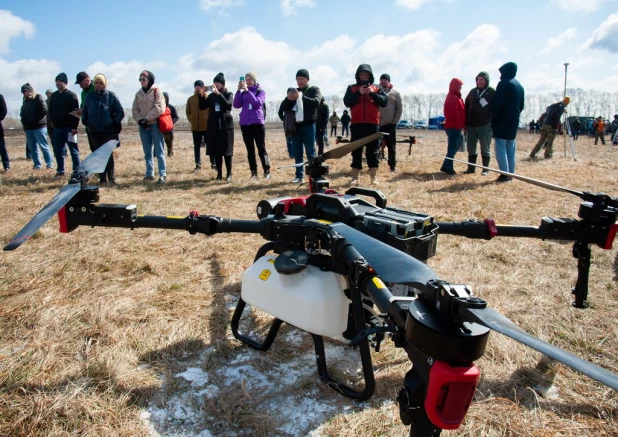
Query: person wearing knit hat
x=148, y=106
x=478, y=106
x=102, y=114
x=63, y=104
x=389, y=117
x=198, y=119
x=550, y=125
x=34, y=120
x=220, y=132
x=302, y=104
x=251, y=98
x=6, y=162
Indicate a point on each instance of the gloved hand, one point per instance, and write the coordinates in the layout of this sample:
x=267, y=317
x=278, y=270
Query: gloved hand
x=143, y=123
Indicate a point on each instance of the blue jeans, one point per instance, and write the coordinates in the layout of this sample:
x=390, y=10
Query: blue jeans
x=345, y=129
x=36, y=138
x=153, y=137
x=305, y=135
x=454, y=141
x=61, y=139
x=4, y=155
x=505, y=154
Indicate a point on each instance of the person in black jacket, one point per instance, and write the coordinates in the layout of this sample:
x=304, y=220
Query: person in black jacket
x=550, y=124
x=102, y=114
x=169, y=136
x=345, y=124
x=478, y=122
x=321, y=125
x=3, y=153
x=34, y=120
x=220, y=132
x=61, y=104
x=304, y=102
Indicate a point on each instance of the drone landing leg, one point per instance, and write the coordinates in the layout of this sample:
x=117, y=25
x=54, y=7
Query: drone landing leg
x=365, y=353
x=582, y=252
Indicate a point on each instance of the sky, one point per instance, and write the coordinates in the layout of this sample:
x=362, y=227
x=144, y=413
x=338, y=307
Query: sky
x=422, y=44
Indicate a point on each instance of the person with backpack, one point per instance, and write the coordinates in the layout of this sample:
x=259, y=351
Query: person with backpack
x=168, y=137
x=251, y=98
x=102, y=114
x=148, y=106
x=220, y=133
x=550, y=126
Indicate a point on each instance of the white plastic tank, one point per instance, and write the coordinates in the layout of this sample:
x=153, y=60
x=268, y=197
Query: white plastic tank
x=312, y=300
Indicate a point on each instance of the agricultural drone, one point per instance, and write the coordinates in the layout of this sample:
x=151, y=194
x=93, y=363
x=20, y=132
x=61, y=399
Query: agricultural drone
x=336, y=265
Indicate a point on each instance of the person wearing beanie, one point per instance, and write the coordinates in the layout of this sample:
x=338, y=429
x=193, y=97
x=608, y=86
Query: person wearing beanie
x=148, y=106
x=220, y=133
x=345, y=123
x=478, y=106
x=62, y=105
x=599, y=130
x=50, y=125
x=102, y=114
x=251, y=99
x=169, y=136
x=506, y=107
x=85, y=83
x=389, y=117
x=301, y=105
x=198, y=119
x=6, y=163
x=454, y=123
x=365, y=101
x=550, y=125
x=34, y=120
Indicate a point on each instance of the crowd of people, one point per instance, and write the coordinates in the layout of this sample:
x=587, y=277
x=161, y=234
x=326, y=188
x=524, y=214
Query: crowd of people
x=373, y=107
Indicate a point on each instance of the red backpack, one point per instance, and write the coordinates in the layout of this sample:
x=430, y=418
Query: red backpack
x=165, y=121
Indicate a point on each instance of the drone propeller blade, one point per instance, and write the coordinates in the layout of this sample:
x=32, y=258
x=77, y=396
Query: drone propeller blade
x=496, y=321
x=340, y=152
x=300, y=164
x=532, y=181
x=391, y=264
x=66, y=193
x=97, y=160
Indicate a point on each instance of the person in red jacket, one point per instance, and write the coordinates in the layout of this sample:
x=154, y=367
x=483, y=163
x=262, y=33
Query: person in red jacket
x=365, y=100
x=455, y=113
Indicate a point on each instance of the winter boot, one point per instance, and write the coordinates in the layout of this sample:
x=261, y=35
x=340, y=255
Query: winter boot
x=472, y=160
x=355, y=176
x=486, y=160
x=374, y=176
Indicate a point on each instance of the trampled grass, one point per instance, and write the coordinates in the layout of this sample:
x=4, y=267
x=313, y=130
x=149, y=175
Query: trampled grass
x=96, y=325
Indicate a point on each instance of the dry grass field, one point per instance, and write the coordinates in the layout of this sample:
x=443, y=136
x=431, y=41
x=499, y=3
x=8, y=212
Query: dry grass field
x=113, y=332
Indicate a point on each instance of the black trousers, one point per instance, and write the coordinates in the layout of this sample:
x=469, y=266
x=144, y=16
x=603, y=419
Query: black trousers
x=199, y=137
x=362, y=130
x=333, y=129
x=219, y=163
x=96, y=140
x=255, y=135
x=319, y=139
x=391, y=144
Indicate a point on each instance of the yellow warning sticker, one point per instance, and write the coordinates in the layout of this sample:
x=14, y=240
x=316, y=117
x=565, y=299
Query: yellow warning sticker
x=265, y=274
x=272, y=261
x=174, y=217
x=326, y=222
x=378, y=282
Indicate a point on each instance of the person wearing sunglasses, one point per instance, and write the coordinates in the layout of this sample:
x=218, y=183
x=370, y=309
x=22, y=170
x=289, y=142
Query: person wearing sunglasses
x=148, y=106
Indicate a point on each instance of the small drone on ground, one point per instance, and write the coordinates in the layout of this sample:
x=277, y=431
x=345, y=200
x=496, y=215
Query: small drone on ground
x=338, y=266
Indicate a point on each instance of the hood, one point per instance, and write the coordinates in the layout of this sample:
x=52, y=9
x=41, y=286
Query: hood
x=485, y=75
x=167, y=98
x=366, y=68
x=151, y=80
x=508, y=70
x=455, y=86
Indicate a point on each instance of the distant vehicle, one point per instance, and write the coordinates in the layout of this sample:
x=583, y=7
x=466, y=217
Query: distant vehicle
x=404, y=124
x=420, y=125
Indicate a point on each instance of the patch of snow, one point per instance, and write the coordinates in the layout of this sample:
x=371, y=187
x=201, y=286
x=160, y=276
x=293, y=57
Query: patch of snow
x=195, y=375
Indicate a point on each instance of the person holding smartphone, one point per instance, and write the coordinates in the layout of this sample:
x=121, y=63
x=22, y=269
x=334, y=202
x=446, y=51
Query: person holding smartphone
x=250, y=98
x=365, y=100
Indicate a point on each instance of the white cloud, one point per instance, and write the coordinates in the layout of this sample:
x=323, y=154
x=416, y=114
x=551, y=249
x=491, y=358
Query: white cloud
x=585, y=6
x=207, y=5
x=556, y=41
x=288, y=7
x=605, y=37
x=12, y=27
x=416, y=4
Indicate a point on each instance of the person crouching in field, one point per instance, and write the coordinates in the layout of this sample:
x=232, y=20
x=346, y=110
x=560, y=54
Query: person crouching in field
x=365, y=100
x=454, y=123
x=251, y=98
x=550, y=124
x=102, y=114
x=148, y=106
x=220, y=133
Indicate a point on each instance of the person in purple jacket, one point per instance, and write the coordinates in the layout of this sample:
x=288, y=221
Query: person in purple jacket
x=250, y=97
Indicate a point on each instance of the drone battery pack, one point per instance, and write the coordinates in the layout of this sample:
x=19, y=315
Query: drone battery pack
x=312, y=300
